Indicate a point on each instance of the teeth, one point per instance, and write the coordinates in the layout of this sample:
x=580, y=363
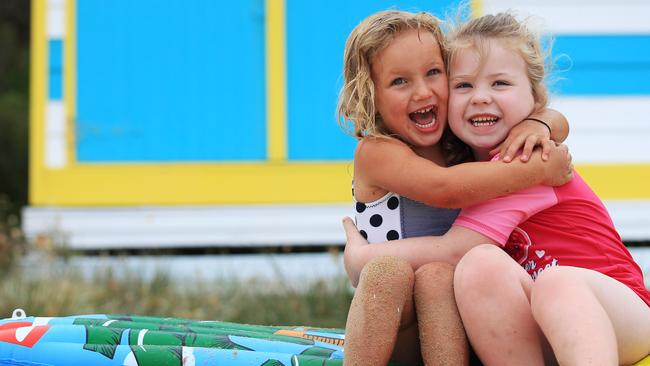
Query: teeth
x=483, y=121
x=426, y=110
x=430, y=124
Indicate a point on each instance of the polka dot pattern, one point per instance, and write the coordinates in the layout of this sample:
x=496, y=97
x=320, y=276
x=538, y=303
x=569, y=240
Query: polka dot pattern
x=392, y=235
x=393, y=203
x=376, y=220
x=379, y=221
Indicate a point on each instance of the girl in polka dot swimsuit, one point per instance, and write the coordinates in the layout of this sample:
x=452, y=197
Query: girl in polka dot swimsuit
x=542, y=276
x=395, y=95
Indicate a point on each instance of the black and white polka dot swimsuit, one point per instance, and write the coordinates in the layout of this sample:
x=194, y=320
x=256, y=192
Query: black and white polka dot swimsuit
x=395, y=217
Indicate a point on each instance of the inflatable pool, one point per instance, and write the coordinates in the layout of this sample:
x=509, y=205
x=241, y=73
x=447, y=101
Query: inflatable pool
x=125, y=340
x=102, y=339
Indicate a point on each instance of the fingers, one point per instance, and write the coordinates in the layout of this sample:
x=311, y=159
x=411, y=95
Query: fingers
x=570, y=165
x=569, y=160
x=529, y=145
x=547, y=146
x=510, y=148
x=351, y=231
x=347, y=222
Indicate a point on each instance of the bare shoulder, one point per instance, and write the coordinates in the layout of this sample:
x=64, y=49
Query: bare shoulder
x=377, y=149
x=373, y=159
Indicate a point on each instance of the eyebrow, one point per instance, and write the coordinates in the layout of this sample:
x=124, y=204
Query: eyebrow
x=499, y=74
x=461, y=77
x=469, y=76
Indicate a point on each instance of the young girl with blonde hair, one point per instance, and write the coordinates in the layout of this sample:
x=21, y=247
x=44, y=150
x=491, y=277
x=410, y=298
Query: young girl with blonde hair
x=395, y=94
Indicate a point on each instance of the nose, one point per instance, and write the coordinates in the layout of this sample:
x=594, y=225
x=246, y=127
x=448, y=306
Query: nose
x=481, y=96
x=422, y=91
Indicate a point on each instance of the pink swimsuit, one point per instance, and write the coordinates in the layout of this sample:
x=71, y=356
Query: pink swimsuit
x=546, y=226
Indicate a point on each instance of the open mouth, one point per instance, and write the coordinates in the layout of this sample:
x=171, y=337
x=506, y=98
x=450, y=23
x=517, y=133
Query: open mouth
x=425, y=117
x=483, y=121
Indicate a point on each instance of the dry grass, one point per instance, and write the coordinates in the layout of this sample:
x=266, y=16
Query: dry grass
x=67, y=292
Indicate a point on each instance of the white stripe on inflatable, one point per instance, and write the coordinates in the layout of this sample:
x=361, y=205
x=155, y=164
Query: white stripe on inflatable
x=580, y=16
x=23, y=332
x=55, y=135
x=141, y=338
x=130, y=360
x=188, y=356
x=607, y=129
x=41, y=320
x=106, y=324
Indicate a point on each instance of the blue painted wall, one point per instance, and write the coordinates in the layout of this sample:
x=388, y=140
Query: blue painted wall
x=186, y=81
x=179, y=82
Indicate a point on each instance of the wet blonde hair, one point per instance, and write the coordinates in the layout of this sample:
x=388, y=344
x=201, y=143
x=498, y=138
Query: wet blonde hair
x=515, y=34
x=357, y=98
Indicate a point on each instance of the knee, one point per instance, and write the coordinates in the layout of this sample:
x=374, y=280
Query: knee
x=434, y=279
x=434, y=272
x=387, y=271
x=553, y=284
x=478, y=270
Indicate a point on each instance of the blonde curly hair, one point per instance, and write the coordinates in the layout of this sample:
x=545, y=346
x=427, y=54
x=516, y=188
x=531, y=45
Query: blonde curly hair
x=357, y=98
x=516, y=35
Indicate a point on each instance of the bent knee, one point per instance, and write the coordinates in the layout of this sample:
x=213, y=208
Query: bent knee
x=553, y=283
x=434, y=271
x=480, y=259
x=434, y=282
x=387, y=269
x=480, y=266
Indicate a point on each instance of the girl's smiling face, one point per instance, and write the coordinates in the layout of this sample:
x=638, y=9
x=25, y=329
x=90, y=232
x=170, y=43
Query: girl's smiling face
x=411, y=88
x=488, y=95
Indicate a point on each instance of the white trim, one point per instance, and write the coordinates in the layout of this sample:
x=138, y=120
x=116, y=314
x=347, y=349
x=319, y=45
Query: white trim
x=607, y=129
x=631, y=218
x=55, y=135
x=240, y=226
x=580, y=16
x=56, y=18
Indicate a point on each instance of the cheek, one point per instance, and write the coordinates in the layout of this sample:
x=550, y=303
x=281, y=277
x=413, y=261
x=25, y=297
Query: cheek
x=442, y=88
x=455, y=108
x=455, y=114
x=521, y=106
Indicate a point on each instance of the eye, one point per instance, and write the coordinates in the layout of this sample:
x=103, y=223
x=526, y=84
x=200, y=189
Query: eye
x=501, y=83
x=462, y=85
x=434, y=72
x=398, y=81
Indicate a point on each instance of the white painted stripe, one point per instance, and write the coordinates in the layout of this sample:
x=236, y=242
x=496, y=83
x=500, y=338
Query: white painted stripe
x=607, y=129
x=56, y=18
x=55, y=135
x=580, y=16
x=106, y=324
x=631, y=218
x=101, y=227
x=243, y=226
